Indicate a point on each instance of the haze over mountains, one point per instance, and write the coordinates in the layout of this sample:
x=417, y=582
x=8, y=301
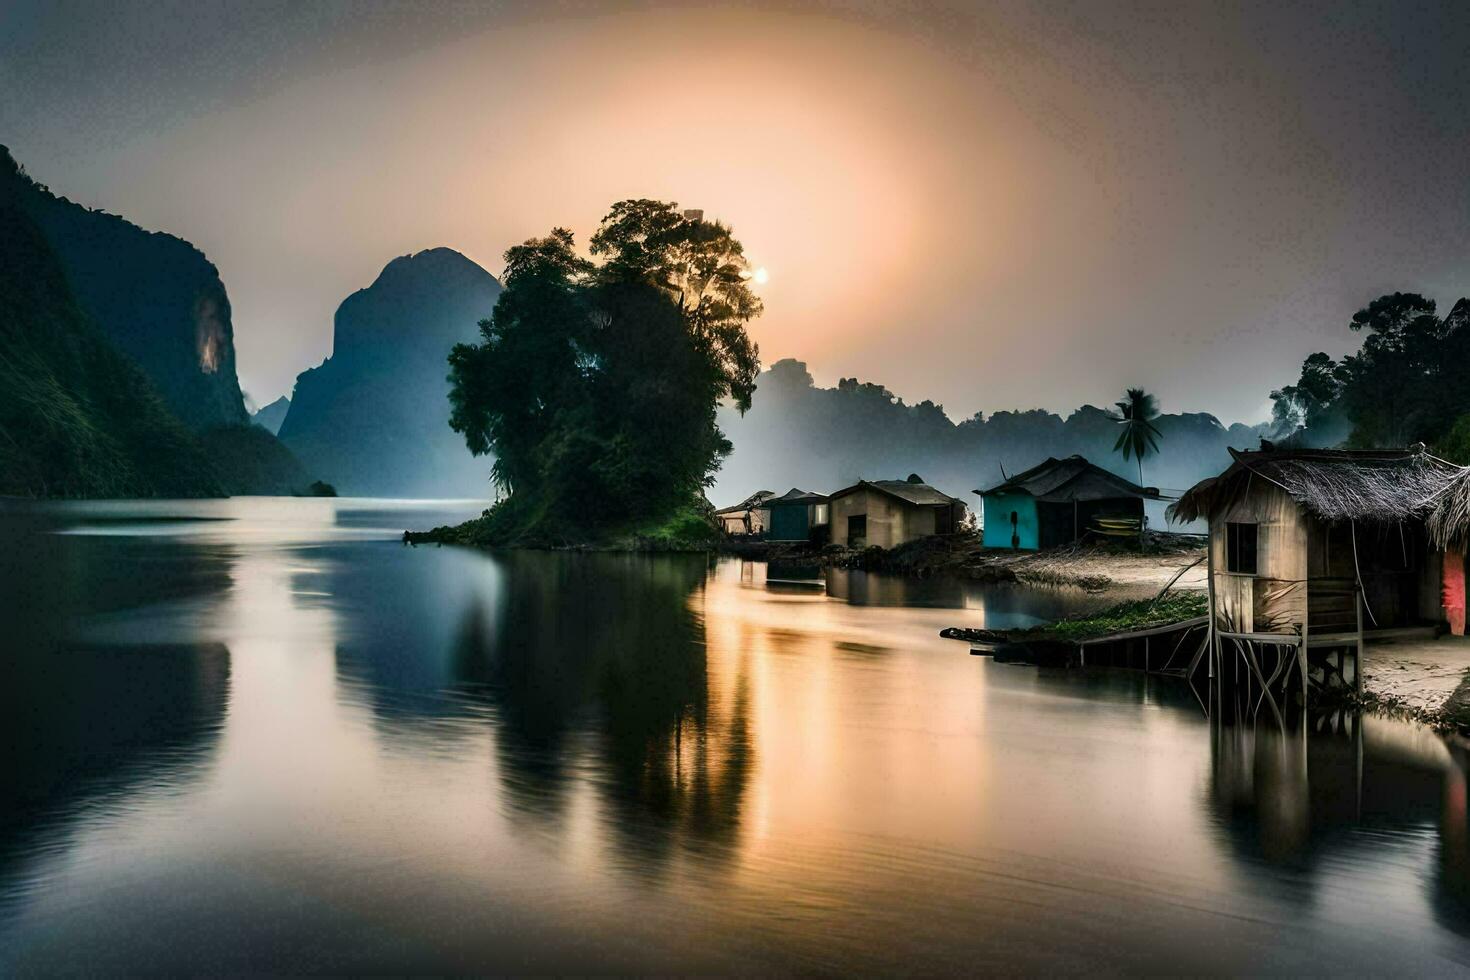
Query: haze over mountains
x=373, y=419
x=797, y=434
x=121, y=380
x=271, y=416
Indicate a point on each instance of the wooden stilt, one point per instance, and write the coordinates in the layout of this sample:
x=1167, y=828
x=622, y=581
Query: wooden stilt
x=1358, y=663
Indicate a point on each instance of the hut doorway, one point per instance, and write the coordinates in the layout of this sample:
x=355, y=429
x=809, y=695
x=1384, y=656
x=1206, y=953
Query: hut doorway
x=1388, y=558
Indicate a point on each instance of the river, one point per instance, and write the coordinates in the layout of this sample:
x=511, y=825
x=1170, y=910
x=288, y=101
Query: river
x=262, y=735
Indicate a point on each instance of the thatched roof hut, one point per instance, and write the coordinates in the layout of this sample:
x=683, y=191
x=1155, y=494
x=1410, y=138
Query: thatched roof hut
x=1448, y=518
x=1375, y=485
x=1301, y=537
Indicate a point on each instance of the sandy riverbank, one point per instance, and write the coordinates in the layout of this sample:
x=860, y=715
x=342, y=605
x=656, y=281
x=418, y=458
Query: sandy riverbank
x=1097, y=568
x=1425, y=679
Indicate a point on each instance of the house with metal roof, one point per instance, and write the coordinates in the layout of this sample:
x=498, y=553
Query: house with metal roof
x=1061, y=501
x=888, y=513
x=746, y=518
x=795, y=515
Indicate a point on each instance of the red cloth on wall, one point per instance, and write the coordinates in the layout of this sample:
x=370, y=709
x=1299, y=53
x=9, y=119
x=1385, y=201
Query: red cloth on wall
x=1454, y=591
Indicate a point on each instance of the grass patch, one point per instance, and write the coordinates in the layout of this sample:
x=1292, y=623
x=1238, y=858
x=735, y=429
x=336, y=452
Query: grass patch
x=1124, y=617
x=518, y=523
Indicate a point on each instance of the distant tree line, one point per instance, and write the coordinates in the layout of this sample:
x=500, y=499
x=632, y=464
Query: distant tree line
x=798, y=434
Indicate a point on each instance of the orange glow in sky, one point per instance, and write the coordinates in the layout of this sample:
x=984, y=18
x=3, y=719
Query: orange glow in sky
x=999, y=207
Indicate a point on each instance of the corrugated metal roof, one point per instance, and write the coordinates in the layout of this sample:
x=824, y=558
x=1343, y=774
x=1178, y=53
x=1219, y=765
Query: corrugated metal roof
x=1073, y=478
x=754, y=501
x=918, y=494
x=797, y=496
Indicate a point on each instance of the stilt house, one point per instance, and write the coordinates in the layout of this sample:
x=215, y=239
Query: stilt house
x=1309, y=550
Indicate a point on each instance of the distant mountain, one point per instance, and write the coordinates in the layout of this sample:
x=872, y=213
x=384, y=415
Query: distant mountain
x=271, y=417
x=156, y=296
x=249, y=460
x=373, y=419
x=77, y=417
x=80, y=417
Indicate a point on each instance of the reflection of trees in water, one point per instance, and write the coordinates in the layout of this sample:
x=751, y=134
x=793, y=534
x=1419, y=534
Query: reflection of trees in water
x=83, y=724
x=608, y=646
x=1294, y=802
x=593, y=666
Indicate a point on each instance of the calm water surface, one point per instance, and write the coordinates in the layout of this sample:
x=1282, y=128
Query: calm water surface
x=262, y=735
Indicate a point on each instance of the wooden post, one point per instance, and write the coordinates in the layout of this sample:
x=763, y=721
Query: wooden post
x=1306, y=640
x=1210, y=638
x=1358, y=664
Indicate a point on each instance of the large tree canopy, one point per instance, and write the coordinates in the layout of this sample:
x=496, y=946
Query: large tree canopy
x=596, y=382
x=1408, y=383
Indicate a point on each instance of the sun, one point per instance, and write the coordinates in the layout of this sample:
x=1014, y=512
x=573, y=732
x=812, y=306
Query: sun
x=761, y=276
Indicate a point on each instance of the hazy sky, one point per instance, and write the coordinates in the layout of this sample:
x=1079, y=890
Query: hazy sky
x=992, y=205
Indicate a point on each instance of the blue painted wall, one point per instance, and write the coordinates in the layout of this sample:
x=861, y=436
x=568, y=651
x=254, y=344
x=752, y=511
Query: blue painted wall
x=998, y=529
x=788, y=523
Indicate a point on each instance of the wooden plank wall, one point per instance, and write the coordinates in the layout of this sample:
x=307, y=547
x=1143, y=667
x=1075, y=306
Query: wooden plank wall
x=1274, y=600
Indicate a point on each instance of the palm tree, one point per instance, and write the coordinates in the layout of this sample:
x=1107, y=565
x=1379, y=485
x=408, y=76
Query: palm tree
x=1139, y=437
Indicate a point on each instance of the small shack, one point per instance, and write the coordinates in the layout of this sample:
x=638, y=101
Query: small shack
x=747, y=518
x=888, y=513
x=1311, y=551
x=795, y=515
x=1061, y=501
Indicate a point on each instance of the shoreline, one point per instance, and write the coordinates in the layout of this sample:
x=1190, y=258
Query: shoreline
x=1423, y=681
x=1095, y=568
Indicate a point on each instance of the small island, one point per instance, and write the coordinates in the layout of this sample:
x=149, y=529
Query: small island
x=589, y=453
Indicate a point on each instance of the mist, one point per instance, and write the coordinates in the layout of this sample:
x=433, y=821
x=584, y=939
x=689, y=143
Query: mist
x=800, y=435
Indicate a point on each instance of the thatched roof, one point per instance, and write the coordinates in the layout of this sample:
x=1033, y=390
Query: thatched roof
x=1330, y=484
x=1449, y=513
x=1073, y=478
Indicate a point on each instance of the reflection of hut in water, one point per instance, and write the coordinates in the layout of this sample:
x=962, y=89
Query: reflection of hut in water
x=1288, y=803
x=1061, y=501
x=746, y=518
x=1318, y=551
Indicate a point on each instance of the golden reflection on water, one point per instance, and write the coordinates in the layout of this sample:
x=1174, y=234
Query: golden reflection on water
x=431, y=759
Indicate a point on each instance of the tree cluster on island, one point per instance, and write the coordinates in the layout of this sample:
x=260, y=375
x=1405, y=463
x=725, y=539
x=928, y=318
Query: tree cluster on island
x=597, y=379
